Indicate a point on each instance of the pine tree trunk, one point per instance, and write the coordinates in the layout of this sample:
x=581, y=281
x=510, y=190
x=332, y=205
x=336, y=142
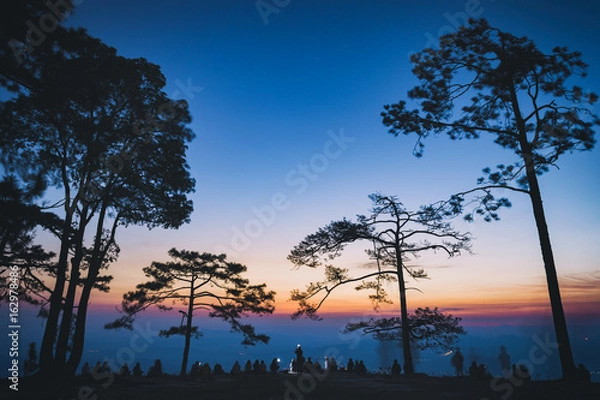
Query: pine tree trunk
x=47, y=365
x=66, y=322
x=558, y=314
x=79, y=334
x=406, y=351
x=95, y=264
x=188, y=332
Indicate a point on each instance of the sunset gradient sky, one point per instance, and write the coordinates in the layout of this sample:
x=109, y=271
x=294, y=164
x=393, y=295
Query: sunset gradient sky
x=269, y=99
x=286, y=109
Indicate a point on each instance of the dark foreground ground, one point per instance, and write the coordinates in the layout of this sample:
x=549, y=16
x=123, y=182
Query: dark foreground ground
x=291, y=387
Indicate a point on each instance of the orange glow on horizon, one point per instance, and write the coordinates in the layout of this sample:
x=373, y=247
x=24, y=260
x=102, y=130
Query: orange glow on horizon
x=475, y=308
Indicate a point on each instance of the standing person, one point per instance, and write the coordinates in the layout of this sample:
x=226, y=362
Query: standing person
x=504, y=358
x=474, y=369
x=299, y=359
x=274, y=367
x=256, y=367
x=262, y=368
x=332, y=364
x=457, y=362
x=396, y=368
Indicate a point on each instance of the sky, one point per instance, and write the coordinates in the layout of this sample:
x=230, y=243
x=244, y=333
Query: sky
x=274, y=93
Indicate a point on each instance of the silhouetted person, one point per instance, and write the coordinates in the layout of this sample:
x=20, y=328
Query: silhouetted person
x=522, y=372
x=97, y=369
x=504, y=358
x=195, y=371
x=299, y=359
x=308, y=365
x=274, y=367
x=105, y=368
x=396, y=368
x=262, y=368
x=457, y=362
x=86, y=371
x=482, y=371
x=137, y=370
x=360, y=368
x=125, y=370
x=248, y=367
x=318, y=367
x=205, y=370
x=218, y=369
x=332, y=364
x=350, y=366
x=236, y=369
x=474, y=370
x=156, y=369
x=256, y=367
x=585, y=375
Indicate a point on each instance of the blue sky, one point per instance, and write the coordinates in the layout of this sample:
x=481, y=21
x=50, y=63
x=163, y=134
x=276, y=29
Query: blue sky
x=267, y=100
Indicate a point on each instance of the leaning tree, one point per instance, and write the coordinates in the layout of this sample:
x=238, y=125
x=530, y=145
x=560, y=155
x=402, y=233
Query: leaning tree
x=100, y=130
x=507, y=88
x=199, y=281
x=394, y=235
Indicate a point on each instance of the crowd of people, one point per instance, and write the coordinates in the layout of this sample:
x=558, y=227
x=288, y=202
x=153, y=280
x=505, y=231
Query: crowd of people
x=257, y=367
x=300, y=364
x=520, y=372
x=101, y=370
